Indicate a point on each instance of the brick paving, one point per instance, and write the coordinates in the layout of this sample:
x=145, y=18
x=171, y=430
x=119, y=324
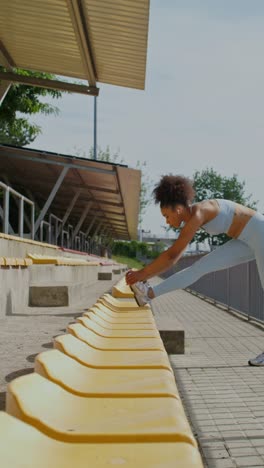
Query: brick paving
x=223, y=396
x=23, y=336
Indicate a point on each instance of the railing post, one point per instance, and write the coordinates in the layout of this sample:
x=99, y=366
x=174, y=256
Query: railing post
x=228, y=288
x=21, y=218
x=248, y=291
x=32, y=221
x=214, y=286
x=6, y=209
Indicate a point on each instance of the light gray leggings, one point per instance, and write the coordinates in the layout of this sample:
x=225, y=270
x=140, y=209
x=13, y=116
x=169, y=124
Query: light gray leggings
x=248, y=246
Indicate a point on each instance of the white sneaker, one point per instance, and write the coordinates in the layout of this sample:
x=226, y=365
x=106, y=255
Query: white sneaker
x=257, y=361
x=141, y=290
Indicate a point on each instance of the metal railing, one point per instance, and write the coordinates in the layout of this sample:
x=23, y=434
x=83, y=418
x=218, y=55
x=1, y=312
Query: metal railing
x=52, y=231
x=237, y=288
x=21, y=211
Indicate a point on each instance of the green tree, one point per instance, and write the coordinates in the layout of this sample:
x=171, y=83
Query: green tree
x=209, y=184
x=17, y=130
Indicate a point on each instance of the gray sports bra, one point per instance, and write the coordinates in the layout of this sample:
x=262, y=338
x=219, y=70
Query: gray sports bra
x=222, y=222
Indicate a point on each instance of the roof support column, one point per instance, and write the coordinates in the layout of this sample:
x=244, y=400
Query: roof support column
x=69, y=209
x=51, y=197
x=4, y=88
x=10, y=229
x=82, y=218
x=90, y=227
x=97, y=229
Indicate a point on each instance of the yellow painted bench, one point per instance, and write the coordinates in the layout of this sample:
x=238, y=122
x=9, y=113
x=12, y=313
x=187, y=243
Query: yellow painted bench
x=91, y=357
x=71, y=418
x=21, y=445
x=117, y=344
x=81, y=380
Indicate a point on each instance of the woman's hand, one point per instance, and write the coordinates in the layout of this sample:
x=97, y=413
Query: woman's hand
x=133, y=276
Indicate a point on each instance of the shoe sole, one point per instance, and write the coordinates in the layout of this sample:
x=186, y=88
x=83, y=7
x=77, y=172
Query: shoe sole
x=261, y=364
x=142, y=304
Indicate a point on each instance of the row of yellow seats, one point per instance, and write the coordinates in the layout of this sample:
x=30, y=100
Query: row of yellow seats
x=15, y=262
x=63, y=261
x=105, y=395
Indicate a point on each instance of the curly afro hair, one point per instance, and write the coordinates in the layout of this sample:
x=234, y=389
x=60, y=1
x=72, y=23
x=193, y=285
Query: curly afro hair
x=172, y=190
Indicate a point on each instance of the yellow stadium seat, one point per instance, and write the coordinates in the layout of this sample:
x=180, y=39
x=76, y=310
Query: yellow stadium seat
x=96, y=358
x=144, y=316
x=110, y=323
x=117, y=344
x=125, y=333
x=121, y=289
x=20, y=262
x=21, y=445
x=28, y=261
x=42, y=259
x=81, y=380
x=71, y=418
x=60, y=261
x=121, y=305
x=10, y=261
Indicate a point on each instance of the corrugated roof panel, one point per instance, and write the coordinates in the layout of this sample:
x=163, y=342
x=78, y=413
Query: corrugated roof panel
x=39, y=35
x=126, y=23
x=116, y=203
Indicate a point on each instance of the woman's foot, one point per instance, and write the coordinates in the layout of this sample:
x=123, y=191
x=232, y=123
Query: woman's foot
x=257, y=361
x=143, y=292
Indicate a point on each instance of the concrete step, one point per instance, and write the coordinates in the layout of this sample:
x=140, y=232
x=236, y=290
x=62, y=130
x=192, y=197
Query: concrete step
x=58, y=294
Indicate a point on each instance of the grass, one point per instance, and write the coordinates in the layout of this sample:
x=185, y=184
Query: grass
x=130, y=262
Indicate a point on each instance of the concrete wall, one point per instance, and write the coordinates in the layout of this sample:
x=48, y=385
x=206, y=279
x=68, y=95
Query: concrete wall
x=14, y=290
x=50, y=274
x=15, y=284
x=16, y=248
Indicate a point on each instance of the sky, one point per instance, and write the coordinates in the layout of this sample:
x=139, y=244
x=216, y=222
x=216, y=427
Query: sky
x=202, y=107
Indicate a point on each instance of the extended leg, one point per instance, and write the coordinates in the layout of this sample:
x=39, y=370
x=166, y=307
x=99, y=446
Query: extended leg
x=230, y=254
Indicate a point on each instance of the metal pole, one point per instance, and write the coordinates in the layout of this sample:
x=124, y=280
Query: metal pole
x=21, y=218
x=32, y=221
x=6, y=210
x=95, y=127
x=248, y=291
x=4, y=88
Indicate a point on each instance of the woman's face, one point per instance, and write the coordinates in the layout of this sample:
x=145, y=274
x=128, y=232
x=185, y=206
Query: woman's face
x=173, y=216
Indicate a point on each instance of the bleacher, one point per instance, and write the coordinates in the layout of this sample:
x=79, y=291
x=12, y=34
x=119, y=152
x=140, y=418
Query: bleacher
x=105, y=395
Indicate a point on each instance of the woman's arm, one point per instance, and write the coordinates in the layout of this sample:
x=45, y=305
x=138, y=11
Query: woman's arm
x=168, y=258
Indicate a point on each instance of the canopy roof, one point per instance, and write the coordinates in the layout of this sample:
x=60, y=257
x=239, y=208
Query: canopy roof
x=103, y=41
x=111, y=190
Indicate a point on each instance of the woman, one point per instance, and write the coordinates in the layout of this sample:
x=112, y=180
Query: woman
x=245, y=226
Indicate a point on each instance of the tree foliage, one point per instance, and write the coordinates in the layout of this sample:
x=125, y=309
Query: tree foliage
x=22, y=99
x=136, y=249
x=209, y=184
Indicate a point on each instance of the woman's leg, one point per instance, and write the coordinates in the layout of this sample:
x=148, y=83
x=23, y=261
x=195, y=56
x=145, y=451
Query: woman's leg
x=230, y=254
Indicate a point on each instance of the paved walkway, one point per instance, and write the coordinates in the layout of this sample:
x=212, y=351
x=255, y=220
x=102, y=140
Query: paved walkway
x=23, y=336
x=222, y=395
